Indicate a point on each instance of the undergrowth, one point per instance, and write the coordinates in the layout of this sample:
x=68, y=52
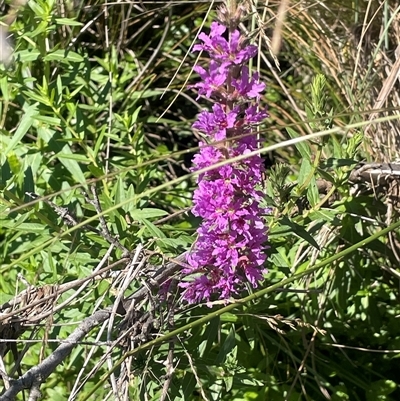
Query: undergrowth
x=96, y=147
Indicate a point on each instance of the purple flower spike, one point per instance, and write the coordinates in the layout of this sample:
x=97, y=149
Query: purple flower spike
x=248, y=86
x=211, y=80
x=225, y=52
x=229, y=250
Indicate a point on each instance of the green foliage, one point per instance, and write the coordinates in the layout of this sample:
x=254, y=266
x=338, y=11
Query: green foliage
x=81, y=107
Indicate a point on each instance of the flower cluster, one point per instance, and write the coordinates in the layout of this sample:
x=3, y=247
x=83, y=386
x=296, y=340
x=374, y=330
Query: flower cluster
x=229, y=248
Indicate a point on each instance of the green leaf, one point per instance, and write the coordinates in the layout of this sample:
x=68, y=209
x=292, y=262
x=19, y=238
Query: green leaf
x=4, y=88
x=227, y=346
x=209, y=337
x=6, y=175
x=37, y=97
x=71, y=165
x=26, y=56
x=188, y=386
x=338, y=150
x=64, y=56
x=26, y=246
x=134, y=117
x=147, y=213
x=96, y=171
x=154, y=231
x=119, y=191
x=336, y=163
x=300, y=231
x=146, y=94
x=25, y=227
x=279, y=230
x=14, y=162
x=328, y=215
x=312, y=192
x=28, y=182
x=281, y=261
x=324, y=174
x=228, y=317
x=306, y=170
x=72, y=156
x=228, y=383
x=172, y=243
x=68, y=21
x=26, y=123
x=48, y=120
x=303, y=147
x=41, y=28
x=36, y=8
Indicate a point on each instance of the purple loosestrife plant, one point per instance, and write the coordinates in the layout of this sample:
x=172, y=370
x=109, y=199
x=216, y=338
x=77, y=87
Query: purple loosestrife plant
x=231, y=239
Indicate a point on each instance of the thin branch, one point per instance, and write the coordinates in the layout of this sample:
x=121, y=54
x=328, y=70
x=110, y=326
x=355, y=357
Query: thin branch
x=104, y=232
x=38, y=374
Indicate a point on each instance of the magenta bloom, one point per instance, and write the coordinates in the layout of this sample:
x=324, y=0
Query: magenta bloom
x=229, y=250
x=212, y=80
x=226, y=52
x=248, y=86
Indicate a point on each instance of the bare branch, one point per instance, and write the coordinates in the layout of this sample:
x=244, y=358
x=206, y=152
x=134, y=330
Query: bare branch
x=38, y=374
